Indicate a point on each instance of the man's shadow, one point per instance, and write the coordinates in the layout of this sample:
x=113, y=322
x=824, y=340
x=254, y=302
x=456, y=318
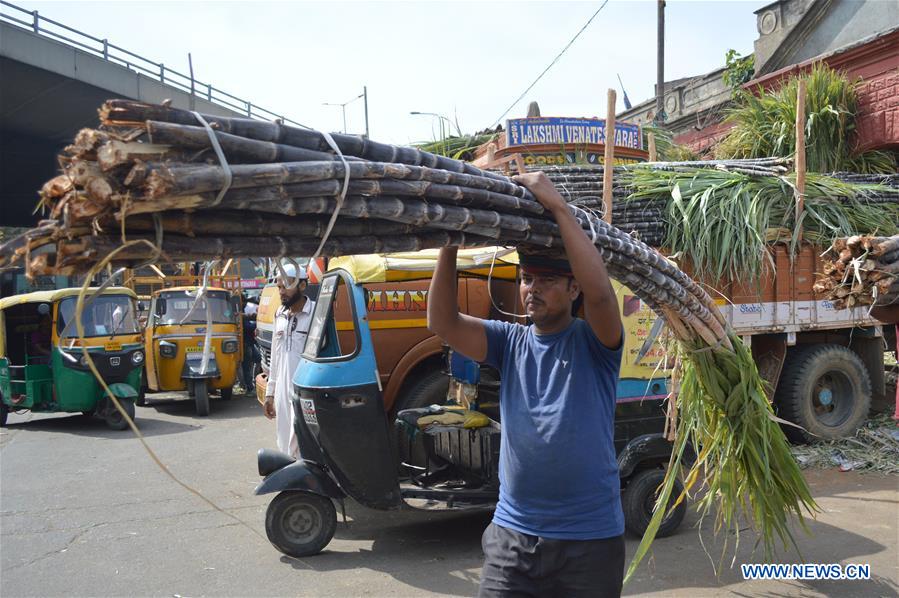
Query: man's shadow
x=441, y=553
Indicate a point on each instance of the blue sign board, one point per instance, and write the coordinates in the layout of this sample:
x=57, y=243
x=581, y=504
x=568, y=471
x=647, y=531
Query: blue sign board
x=569, y=131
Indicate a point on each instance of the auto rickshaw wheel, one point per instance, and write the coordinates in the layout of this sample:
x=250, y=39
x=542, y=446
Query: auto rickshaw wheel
x=4, y=413
x=227, y=393
x=114, y=418
x=639, y=499
x=201, y=397
x=300, y=523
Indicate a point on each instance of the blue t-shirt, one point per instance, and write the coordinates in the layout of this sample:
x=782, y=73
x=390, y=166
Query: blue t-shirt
x=558, y=471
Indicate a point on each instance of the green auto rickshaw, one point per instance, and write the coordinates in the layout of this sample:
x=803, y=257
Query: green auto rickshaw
x=43, y=368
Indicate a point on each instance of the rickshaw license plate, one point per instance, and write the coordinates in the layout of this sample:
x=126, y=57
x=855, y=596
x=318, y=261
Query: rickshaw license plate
x=308, y=407
x=112, y=346
x=199, y=349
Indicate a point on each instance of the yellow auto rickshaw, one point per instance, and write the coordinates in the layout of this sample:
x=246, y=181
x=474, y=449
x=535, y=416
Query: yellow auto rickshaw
x=42, y=362
x=178, y=326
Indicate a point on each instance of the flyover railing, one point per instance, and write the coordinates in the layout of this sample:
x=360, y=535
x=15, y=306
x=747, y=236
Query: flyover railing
x=103, y=48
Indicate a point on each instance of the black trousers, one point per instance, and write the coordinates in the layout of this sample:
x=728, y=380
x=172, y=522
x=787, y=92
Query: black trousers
x=519, y=565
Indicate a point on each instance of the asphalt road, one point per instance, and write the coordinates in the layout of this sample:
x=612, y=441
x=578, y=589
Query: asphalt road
x=84, y=511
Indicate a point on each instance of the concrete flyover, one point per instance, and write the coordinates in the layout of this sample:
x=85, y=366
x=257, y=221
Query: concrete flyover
x=53, y=79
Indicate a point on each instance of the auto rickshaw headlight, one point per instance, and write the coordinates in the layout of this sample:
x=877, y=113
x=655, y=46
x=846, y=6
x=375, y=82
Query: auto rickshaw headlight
x=229, y=346
x=137, y=357
x=83, y=361
x=167, y=349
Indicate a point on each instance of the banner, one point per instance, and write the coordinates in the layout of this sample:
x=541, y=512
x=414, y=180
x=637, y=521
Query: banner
x=569, y=131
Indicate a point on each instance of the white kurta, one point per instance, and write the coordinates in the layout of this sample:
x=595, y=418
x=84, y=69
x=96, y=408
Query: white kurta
x=288, y=342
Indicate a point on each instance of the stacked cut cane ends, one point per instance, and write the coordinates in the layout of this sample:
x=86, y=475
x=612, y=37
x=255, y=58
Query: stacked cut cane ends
x=861, y=270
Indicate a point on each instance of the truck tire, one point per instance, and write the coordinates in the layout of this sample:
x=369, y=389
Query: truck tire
x=639, y=499
x=430, y=389
x=826, y=389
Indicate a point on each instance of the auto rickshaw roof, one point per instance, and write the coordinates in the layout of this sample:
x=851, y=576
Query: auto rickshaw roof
x=56, y=295
x=188, y=288
x=419, y=265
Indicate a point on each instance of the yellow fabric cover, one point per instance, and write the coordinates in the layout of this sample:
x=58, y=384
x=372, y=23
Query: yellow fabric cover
x=455, y=417
x=396, y=267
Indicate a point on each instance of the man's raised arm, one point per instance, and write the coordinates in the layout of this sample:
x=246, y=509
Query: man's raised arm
x=464, y=333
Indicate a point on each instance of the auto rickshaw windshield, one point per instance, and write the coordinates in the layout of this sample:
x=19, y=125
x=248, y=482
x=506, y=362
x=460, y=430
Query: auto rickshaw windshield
x=178, y=306
x=108, y=315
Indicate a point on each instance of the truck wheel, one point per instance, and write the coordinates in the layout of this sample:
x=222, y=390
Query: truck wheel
x=201, y=397
x=825, y=389
x=430, y=389
x=300, y=523
x=114, y=418
x=639, y=500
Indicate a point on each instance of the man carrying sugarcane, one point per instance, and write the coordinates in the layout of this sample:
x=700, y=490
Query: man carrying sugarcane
x=288, y=341
x=558, y=527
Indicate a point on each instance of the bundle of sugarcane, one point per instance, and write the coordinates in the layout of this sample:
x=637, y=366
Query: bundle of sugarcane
x=156, y=183
x=861, y=270
x=724, y=218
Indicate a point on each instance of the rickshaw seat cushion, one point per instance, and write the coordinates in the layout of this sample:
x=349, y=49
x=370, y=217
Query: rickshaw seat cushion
x=430, y=419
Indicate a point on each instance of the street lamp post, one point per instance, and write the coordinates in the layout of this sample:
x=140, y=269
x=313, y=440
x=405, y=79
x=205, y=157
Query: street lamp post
x=343, y=106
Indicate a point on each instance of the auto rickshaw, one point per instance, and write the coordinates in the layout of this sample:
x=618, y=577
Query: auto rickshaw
x=177, y=329
x=43, y=368
x=350, y=449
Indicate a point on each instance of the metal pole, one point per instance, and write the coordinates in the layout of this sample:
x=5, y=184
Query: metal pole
x=35, y=24
x=193, y=99
x=660, y=65
x=608, y=164
x=800, y=154
x=365, y=100
x=343, y=109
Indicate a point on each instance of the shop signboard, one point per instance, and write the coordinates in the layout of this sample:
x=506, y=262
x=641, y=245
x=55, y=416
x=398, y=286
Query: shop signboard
x=569, y=132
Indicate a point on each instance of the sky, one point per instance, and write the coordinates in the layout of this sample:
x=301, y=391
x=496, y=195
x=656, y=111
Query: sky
x=467, y=61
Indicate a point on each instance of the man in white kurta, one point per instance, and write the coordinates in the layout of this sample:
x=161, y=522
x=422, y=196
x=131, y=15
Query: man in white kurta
x=288, y=341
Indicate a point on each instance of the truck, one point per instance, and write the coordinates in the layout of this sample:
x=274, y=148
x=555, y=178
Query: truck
x=824, y=367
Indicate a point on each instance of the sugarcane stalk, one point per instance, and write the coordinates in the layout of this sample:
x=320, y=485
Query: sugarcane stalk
x=243, y=224
x=165, y=179
x=237, y=149
x=128, y=112
x=73, y=254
